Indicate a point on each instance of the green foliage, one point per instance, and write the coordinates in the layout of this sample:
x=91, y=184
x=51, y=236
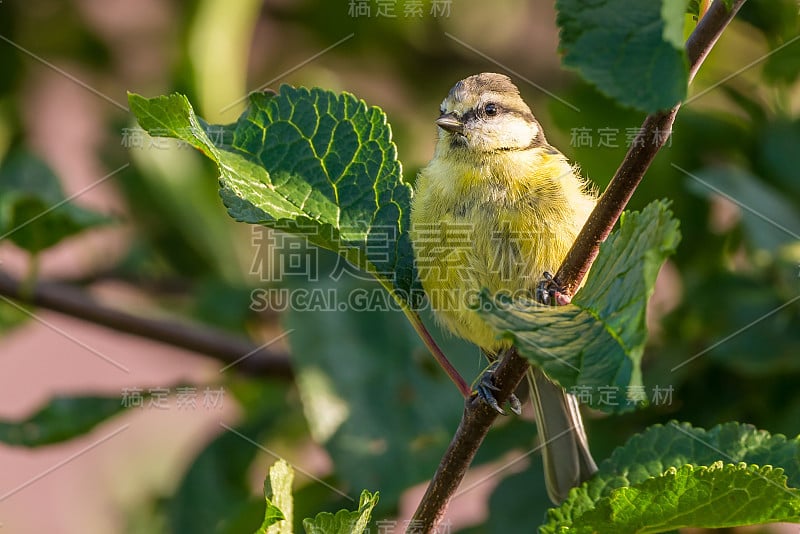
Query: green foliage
x=34, y=213
x=272, y=515
x=344, y=521
x=61, y=419
x=657, y=466
x=307, y=162
x=597, y=340
x=632, y=52
x=277, y=515
x=711, y=497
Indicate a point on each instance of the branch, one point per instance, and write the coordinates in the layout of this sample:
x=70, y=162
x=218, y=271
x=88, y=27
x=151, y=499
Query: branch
x=478, y=418
x=201, y=339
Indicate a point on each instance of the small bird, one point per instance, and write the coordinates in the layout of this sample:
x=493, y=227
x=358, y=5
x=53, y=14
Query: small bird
x=498, y=208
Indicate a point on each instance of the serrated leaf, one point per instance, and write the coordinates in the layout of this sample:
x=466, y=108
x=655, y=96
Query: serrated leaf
x=659, y=448
x=597, y=341
x=344, y=521
x=709, y=497
x=61, y=419
x=308, y=162
x=632, y=51
x=278, y=497
x=34, y=212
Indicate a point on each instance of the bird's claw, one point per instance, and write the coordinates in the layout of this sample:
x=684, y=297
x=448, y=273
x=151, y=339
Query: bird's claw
x=550, y=292
x=485, y=389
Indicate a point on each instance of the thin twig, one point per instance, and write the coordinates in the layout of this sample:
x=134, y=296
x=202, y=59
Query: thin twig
x=438, y=354
x=201, y=339
x=478, y=418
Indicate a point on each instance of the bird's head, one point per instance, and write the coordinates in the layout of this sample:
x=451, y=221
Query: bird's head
x=485, y=114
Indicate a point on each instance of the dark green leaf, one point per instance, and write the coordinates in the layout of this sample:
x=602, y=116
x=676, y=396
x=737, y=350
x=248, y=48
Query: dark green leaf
x=309, y=162
x=659, y=448
x=63, y=418
x=597, y=341
x=632, y=51
x=34, y=213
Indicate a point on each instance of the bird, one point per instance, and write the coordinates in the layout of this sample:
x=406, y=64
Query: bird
x=498, y=208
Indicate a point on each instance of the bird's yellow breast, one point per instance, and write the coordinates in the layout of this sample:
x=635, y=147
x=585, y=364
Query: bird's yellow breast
x=496, y=222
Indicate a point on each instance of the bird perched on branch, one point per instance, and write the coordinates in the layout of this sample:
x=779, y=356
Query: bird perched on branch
x=498, y=207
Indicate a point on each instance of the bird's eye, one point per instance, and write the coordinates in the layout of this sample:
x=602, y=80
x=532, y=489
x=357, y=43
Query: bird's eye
x=490, y=109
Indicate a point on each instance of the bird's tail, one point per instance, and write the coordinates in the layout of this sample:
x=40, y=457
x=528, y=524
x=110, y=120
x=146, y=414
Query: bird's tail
x=565, y=450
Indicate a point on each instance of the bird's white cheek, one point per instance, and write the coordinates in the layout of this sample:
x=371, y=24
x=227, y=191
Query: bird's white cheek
x=517, y=134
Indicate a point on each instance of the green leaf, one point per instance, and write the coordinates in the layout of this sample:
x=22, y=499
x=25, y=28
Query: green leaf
x=710, y=497
x=632, y=51
x=659, y=449
x=344, y=521
x=279, y=490
x=63, y=418
x=597, y=341
x=308, y=162
x=34, y=212
x=272, y=515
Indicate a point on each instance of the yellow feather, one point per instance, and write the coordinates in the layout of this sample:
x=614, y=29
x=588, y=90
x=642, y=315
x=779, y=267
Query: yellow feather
x=495, y=221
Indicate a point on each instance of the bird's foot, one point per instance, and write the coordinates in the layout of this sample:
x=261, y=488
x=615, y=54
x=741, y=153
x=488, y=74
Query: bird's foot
x=550, y=292
x=485, y=389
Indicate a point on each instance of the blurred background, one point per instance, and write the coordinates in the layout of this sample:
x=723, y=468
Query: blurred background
x=140, y=436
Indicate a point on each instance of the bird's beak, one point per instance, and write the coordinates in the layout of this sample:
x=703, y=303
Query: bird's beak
x=450, y=123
